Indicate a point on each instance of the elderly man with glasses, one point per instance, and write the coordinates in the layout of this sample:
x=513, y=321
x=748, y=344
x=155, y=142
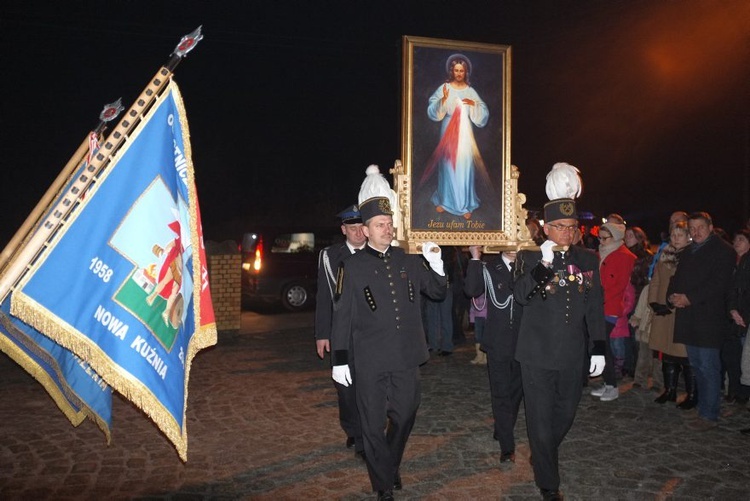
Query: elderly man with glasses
x=561, y=294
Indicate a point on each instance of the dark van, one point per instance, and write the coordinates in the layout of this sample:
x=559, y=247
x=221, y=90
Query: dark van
x=281, y=264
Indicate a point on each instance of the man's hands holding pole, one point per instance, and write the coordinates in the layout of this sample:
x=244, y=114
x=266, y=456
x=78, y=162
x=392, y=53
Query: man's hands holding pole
x=548, y=254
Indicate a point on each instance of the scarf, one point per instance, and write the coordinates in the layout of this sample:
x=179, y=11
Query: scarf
x=608, y=248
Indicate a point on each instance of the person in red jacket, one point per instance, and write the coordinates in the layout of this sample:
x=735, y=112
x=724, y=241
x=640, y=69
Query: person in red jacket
x=615, y=268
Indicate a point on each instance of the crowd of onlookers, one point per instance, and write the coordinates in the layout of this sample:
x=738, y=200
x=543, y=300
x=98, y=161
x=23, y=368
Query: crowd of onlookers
x=677, y=311
x=688, y=294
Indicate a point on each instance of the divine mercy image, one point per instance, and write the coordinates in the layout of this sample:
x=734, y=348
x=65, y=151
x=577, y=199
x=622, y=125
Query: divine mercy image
x=456, y=158
x=458, y=140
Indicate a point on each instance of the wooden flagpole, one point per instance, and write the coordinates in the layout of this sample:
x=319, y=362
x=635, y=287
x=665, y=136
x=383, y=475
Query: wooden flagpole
x=25, y=248
x=108, y=114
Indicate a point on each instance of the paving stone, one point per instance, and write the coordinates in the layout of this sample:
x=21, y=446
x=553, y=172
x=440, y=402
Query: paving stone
x=262, y=424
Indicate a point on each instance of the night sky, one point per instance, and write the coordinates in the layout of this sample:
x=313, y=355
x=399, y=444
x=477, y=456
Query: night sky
x=290, y=101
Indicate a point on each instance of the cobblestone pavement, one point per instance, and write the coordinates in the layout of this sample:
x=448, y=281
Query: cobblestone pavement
x=262, y=423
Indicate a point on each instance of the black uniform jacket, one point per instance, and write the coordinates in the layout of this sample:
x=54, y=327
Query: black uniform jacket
x=377, y=319
x=703, y=275
x=503, y=314
x=561, y=304
x=333, y=256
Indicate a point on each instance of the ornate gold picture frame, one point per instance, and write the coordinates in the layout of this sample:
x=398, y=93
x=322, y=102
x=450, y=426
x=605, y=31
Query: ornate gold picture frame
x=455, y=184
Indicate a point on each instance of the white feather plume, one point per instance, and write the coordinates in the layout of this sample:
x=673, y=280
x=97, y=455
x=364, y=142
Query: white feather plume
x=564, y=181
x=375, y=185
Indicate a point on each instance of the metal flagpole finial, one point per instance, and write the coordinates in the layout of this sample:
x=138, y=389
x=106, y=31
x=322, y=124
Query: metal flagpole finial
x=111, y=110
x=188, y=42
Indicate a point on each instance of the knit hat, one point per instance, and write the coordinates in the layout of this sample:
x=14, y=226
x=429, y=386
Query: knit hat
x=617, y=230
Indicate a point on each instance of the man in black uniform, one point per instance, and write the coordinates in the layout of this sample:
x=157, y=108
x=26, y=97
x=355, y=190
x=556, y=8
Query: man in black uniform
x=494, y=279
x=377, y=332
x=328, y=263
x=561, y=293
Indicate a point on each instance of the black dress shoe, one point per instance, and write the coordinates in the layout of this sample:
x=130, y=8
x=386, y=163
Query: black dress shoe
x=550, y=495
x=397, y=485
x=445, y=353
x=745, y=431
x=385, y=496
x=508, y=457
x=349, y=442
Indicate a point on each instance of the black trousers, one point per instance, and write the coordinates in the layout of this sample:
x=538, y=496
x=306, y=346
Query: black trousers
x=348, y=414
x=506, y=392
x=551, y=398
x=387, y=403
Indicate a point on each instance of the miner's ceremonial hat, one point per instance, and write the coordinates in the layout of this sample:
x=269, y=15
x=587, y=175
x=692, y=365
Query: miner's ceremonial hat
x=350, y=215
x=564, y=185
x=562, y=208
x=375, y=206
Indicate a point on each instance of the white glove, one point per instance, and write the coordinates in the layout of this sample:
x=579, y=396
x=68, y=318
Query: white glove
x=342, y=375
x=546, y=248
x=432, y=254
x=597, y=365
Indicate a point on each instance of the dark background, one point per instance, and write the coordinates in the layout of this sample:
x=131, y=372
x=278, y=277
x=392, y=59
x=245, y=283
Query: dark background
x=290, y=101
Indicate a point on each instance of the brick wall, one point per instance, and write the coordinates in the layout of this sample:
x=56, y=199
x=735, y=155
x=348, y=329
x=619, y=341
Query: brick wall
x=224, y=275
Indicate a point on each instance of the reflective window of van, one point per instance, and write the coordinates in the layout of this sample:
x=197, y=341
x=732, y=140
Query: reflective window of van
x=289, y=243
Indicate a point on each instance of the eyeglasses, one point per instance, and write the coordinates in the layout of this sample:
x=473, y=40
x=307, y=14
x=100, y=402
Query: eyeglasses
x=563, y=227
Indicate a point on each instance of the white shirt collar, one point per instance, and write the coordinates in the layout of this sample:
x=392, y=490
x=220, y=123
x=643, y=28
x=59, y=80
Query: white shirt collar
x=507, y=262
x=352, y=248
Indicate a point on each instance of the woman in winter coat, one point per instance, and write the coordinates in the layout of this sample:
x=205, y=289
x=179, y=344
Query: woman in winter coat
x=673, y=355
x=637, y=242
x=615, y=268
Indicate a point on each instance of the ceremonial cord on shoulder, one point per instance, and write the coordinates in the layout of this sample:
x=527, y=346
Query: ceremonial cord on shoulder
x=474, y=300
x=330, y=277
x=489, y=291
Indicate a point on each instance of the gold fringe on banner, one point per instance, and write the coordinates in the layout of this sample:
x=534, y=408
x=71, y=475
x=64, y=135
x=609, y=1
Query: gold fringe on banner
x=203, y=336
x=41, y=319
x=60, y=397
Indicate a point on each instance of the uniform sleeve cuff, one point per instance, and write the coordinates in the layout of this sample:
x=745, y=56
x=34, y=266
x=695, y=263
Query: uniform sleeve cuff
x=541, y=274
x=598, y=348
x=340, y=357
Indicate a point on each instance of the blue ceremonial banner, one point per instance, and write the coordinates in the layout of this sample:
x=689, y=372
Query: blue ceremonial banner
x=76, y=389
x=124, y=283
x=74, y=386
